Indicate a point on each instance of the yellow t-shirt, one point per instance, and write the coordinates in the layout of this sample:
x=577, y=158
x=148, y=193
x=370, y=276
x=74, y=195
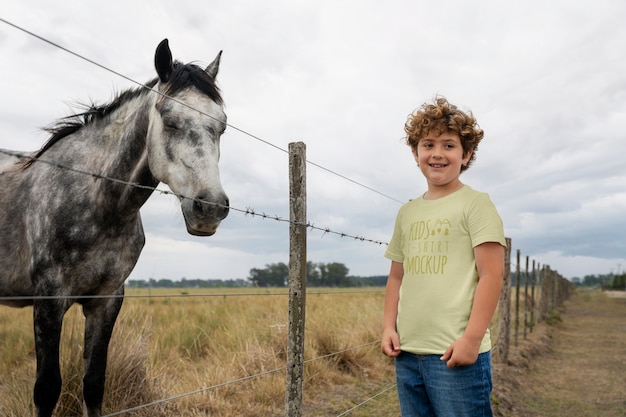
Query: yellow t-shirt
x=435, y=240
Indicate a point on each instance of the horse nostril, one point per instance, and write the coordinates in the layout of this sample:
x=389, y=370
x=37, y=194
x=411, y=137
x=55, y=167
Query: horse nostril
x=225, y=208
x=201, y=206
x=206, y=206
x=221, y=208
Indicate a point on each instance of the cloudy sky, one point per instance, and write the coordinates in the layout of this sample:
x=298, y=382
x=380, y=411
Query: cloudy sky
x=545, y=79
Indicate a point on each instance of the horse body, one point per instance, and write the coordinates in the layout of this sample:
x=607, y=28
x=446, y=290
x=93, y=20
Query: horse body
x=66, y=236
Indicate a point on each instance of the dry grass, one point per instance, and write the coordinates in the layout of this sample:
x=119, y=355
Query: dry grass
x=573, y=367
x=169, y=346
x=166, y=347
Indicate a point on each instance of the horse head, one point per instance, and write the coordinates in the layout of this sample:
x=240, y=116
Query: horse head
x=184, y=139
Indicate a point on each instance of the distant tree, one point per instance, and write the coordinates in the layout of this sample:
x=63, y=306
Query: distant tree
x=591, y=281
x=373, y=281
x=619, y=282
x=188, y=283
x=337, y=275
x=274, y=275
x=165, y=283
x=318, y=275
x=603, y=280
x=313, y=276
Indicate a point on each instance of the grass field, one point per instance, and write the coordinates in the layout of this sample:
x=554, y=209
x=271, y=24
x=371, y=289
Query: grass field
x=219, y=352
x=580, y=371
x=166, y=346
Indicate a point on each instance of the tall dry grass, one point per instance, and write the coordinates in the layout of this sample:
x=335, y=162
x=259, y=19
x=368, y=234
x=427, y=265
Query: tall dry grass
x=166, y=347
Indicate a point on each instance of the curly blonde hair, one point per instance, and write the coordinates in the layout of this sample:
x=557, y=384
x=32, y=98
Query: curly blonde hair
x=440, y=117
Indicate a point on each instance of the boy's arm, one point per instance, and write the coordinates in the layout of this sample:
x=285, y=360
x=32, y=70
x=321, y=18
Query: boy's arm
x=490, y=266
x=390, y=344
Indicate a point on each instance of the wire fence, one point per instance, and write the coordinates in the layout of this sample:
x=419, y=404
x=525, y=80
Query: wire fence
x=250, y=212
x=540, y=289
x=543, y=288
x=247, y=378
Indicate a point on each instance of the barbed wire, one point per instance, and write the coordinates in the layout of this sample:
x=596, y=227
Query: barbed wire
x=247, y=211
x=234, y=381
x=150, y=296
x=198, y=391
x=362, y=403
x=243, y=131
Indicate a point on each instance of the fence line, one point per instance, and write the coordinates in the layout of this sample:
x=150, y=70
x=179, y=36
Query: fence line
x=548, y=291
x=198, y=391
x=199, y=295
x=547, y=282
x=243, y=379
x=248, y=211
x=362, y=403
x=504, y=305
x=549, y=286
x=552, y=288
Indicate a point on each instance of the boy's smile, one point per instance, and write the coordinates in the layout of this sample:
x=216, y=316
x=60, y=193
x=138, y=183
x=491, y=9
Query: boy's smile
x=440, y=158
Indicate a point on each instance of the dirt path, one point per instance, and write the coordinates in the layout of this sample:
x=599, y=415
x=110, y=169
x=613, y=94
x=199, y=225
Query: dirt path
x=576, y=368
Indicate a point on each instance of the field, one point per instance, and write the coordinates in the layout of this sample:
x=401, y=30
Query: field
x=217, y=355
x=575, y=367
x=222, y=352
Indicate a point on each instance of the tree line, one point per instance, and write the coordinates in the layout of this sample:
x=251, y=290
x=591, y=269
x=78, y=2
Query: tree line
x=187, y=283
x=607, y=281
x=332, y=274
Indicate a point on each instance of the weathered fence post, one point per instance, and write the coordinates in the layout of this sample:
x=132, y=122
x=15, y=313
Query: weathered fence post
x=527, y=299
x=555, y=294
x=532, y=296
x=297, y=279
x=517, y=297
x=504, y=310
x=545, y=292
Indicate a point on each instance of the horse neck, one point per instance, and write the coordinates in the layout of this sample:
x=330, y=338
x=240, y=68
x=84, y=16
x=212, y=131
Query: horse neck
x=120, y=145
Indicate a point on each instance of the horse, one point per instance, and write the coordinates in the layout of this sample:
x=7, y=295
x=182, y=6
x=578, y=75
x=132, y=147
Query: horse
x=68, y=237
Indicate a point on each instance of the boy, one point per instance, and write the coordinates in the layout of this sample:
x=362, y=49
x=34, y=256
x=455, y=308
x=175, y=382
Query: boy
x=447, y=264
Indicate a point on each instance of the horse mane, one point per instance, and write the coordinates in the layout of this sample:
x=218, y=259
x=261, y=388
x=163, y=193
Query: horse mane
x=191, y=75
x=183, y=76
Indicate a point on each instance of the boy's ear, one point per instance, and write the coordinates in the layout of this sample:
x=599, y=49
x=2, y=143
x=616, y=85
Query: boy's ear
x=467, y=156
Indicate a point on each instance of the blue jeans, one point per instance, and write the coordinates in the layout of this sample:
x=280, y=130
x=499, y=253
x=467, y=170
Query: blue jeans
x=428, y=388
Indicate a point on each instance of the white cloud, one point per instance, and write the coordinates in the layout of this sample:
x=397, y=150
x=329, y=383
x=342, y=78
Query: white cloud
x=576, y=266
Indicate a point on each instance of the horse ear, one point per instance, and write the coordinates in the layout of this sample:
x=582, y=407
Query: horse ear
x=163, y=61
x=214, y=66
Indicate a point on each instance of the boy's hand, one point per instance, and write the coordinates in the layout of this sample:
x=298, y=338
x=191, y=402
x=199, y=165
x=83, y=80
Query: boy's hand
x=463, y=352
x=390, y=345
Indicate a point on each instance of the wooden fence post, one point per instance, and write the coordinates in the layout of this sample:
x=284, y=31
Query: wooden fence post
x=517, y=297
x=555, y=296
x=297, y=279
x=504, y=310
x=532, y=295
x=527, y=299
x=545, y=291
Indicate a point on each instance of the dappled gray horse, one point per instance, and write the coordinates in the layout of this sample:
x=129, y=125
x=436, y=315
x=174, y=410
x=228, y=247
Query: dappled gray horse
x=68, y=237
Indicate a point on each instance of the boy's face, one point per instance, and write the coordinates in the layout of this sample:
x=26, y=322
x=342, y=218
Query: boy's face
x=440, y=158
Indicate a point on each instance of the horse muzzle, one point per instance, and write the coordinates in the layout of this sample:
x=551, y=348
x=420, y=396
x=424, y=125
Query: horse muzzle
x=204, y=213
